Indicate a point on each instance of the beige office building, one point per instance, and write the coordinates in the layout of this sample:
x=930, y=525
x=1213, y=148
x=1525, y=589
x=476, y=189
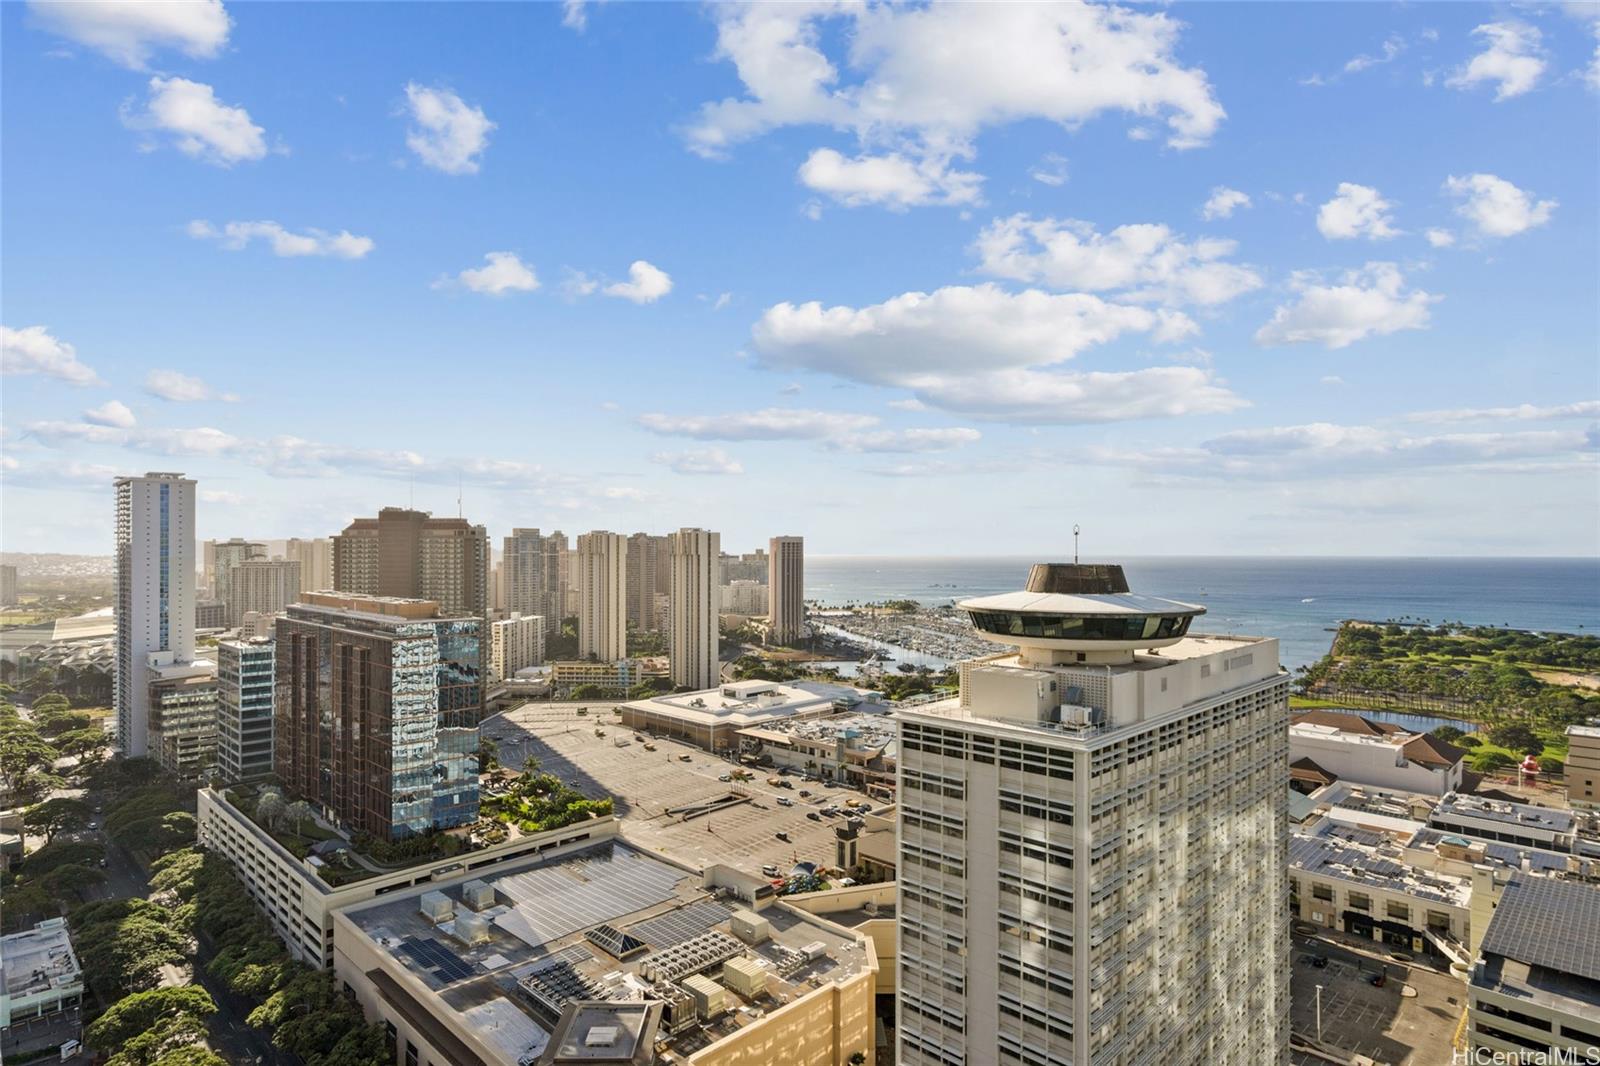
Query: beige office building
x=559, y=604
x=1092, y=839
x=786, y=588
x=264, y=586
x=412, y=555
x=1583, y=766
x=602, y=563
x=315, y=557
x=227, y=555
x=695, y=598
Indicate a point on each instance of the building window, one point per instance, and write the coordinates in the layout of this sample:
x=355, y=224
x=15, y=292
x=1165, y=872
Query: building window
x=1396, y=909
x=1321, y=891
x=411, y=1054
x=1360, y=901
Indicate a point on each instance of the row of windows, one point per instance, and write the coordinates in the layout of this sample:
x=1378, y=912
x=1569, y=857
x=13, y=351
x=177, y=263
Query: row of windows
x=934, y=822
x=1035, y=807
x=1059, y=983
x=932, y=898
x=931, y=1049
x=1033, y=933
x=1013, y=843
x=933, y=860
x=1050, y=1022
x=1013, y=1049
x=1052, y=896
x=1080, y=627
x=934, y=784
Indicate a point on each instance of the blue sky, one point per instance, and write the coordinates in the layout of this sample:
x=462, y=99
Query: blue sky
x=1254, y=279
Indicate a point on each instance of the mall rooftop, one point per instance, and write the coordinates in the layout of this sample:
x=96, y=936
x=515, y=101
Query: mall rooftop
x=495, y=965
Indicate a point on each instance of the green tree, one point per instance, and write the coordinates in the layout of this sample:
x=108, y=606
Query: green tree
x=167, y=1037
x=133, y=1014
x=298, y=812
x=76, y=880
x=1448, y=733
x=62, y=853
x=193, y=1055
x=80, y=742
x=1487, y=762
x=57, y=815
x=1517, y=737
x=270, y=808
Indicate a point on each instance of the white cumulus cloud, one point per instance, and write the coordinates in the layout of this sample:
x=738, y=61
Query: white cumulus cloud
x=111, y=413
x=236, y=235
x=128, y=31
x=1440, y=238
x=503, y=272
x=1051, y=170
x=991, y=354
x=700, y=461
x=1144, y=261
x=892, y=180
x=1512, y=59
x=771, y=423
x=1223, y=202
x=923, y=82
x=446, y=132
x=182, y=388
x=646, y=283
x=1371, y=301
x=198, y=124
x=1525, y=412
x=32, y=350
x=1496, y=207
x=1356, y=211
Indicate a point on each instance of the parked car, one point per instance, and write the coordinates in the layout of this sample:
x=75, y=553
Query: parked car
x=782, y=836
x=805, y=793
x=724, y=777
x=785, y=801
x=771, y=870
x=94, y=825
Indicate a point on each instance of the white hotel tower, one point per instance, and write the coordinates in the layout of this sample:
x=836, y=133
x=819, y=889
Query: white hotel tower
x=155, y=594
x=1092, y=839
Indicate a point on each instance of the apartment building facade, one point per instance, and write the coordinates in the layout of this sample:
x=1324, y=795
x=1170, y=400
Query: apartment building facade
x=786, y=589
x=1092, y=847
x=155, y=563
x=695, y=598
x=244, y=708
x=602, y=563
x=413, y=555
x=376, y=711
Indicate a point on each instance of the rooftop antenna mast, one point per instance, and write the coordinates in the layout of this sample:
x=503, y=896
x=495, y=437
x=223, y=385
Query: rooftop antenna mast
x=1074, y=544
x=459, y=481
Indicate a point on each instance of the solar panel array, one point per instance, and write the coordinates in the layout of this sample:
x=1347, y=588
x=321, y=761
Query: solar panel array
x=1506, y=854
x=1545, y=922
x=1357, y=835
x=1319, y=855
x=551, y=901
x=685, y=923
x=436, y=959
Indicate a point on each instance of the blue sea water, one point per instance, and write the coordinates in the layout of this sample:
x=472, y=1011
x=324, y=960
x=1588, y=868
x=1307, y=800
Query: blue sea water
x=1296, y=600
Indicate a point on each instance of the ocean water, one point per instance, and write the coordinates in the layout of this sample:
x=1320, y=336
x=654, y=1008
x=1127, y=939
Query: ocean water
x=1296, y=600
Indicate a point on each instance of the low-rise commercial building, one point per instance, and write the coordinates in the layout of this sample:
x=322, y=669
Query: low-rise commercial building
x=612, y=678
x=852, y=748
x=183, y=716
x=1507, y=822
x=1353, y=748
x=713, y=718
x=605, y=955
x=1356, y=880
x=299, y=900
x=1583, y=766
x=41, y=989
x=1535, y=989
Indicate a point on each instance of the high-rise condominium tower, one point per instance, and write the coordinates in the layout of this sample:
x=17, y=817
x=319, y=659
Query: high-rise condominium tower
x=649, y=560
x=228, y=554
x=244, y=708
x=265, y=586
x=786, y=588
x=558, y=605
x=695, y=596
x=412, y=555
x=1092, y=839
x=522, y=571
x=8, y=585
x=376, y=711
x=316, y=561
x=602, y=562
x=155, y=593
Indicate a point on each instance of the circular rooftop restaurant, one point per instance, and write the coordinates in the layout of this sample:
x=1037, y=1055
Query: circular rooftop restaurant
x=1080, y=612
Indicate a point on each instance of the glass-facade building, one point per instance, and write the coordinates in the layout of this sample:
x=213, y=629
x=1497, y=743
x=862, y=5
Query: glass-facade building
x=244, y=709
x=377, y=712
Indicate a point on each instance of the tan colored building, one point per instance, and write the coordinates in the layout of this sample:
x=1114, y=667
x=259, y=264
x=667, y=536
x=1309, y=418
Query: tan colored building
x=695, y=597
x=649, y=575
x=602, y=596
x=1583, y=765
x=265, y=586
x=786, y=588
x=607, y=954
x=315, y=557
x=412, y=555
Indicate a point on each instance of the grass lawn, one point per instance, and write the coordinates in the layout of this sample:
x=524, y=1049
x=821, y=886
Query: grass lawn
x=1555, y=747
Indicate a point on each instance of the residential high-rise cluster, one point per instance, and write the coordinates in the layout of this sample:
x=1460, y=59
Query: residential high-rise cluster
x=786, y=588
x=602, y=563
x=695, y=597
